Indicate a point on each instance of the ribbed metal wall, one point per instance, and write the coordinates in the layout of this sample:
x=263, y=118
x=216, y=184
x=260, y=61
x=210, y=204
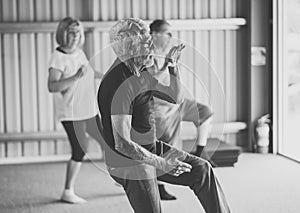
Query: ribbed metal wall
x=25, y=103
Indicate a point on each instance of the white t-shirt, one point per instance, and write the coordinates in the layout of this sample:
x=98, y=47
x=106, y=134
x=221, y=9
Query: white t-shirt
x=78, y=102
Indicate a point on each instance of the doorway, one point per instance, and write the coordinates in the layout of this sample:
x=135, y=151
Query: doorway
x=287, y=85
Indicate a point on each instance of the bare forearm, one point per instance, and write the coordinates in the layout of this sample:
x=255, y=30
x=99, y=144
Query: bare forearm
x=61, y=85
x=169, y=152
x=175, y=84
x=137, y=152
x=169, y=161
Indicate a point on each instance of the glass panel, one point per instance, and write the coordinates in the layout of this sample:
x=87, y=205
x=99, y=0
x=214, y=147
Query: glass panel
x=291, y=68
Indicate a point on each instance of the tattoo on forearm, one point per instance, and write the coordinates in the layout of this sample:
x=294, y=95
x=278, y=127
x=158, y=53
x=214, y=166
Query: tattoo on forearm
x=169, y=152
x=137, y=152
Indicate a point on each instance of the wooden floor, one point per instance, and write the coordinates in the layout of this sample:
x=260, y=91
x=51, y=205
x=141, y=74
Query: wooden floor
x=257, y=184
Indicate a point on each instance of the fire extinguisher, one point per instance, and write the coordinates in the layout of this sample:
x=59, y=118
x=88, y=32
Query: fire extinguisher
x=262, y=133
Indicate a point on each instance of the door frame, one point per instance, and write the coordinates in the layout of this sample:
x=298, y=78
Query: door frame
x=278, y=83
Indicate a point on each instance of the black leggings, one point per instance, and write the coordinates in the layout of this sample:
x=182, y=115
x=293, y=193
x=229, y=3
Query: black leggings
x=76, y=131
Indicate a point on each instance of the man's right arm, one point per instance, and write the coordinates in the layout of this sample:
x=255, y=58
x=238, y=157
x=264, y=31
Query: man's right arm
x=123, y=144
x=121, y=130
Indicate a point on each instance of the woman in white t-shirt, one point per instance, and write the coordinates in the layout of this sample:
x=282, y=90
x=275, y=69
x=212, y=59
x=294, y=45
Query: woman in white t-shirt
x=71, y=79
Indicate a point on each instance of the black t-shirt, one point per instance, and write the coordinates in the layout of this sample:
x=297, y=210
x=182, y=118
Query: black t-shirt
x=122, y=93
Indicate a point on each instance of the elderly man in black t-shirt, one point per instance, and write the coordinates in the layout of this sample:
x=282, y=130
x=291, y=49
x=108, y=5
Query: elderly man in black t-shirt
x=134, y=157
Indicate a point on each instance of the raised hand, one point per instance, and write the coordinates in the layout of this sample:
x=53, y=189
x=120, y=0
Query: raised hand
x=174, y=55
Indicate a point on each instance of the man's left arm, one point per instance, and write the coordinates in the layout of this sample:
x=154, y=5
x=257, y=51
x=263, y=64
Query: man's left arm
x=173, y=92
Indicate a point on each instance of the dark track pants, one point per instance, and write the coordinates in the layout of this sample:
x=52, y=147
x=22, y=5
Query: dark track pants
x=140, y=185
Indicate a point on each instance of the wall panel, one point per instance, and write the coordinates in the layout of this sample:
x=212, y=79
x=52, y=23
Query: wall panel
x=25, y=10
x=11, y=79
x=186, y=60
x=44, y=99
x=123, y=9
x=28, y=83
x=174, y=7
x=42, y=10
x=143, y=9
x=205, y=8
x=185, y=9
x=155, y=9
x=58, y=9
x=78, y=9
x=167, y=12
x=28, y=79
x=2, y=110
x=12, y=89
x=1, y=9
x=202, y=67
x=9, y=10
x=104, y=11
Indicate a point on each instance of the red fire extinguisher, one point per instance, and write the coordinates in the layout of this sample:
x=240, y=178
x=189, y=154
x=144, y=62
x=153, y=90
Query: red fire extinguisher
x=262, y=133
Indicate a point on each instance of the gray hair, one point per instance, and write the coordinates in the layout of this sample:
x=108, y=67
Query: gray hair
x=131, y=40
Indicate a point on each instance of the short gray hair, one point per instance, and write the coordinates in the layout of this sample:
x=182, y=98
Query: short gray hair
x=130, y=38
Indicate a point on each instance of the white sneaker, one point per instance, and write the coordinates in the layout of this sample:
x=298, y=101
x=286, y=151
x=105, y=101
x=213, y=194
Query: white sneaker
x=70, y=197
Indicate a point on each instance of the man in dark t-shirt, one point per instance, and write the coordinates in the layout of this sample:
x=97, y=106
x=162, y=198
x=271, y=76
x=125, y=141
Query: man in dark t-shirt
x=135, y=159
x=123, y=93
